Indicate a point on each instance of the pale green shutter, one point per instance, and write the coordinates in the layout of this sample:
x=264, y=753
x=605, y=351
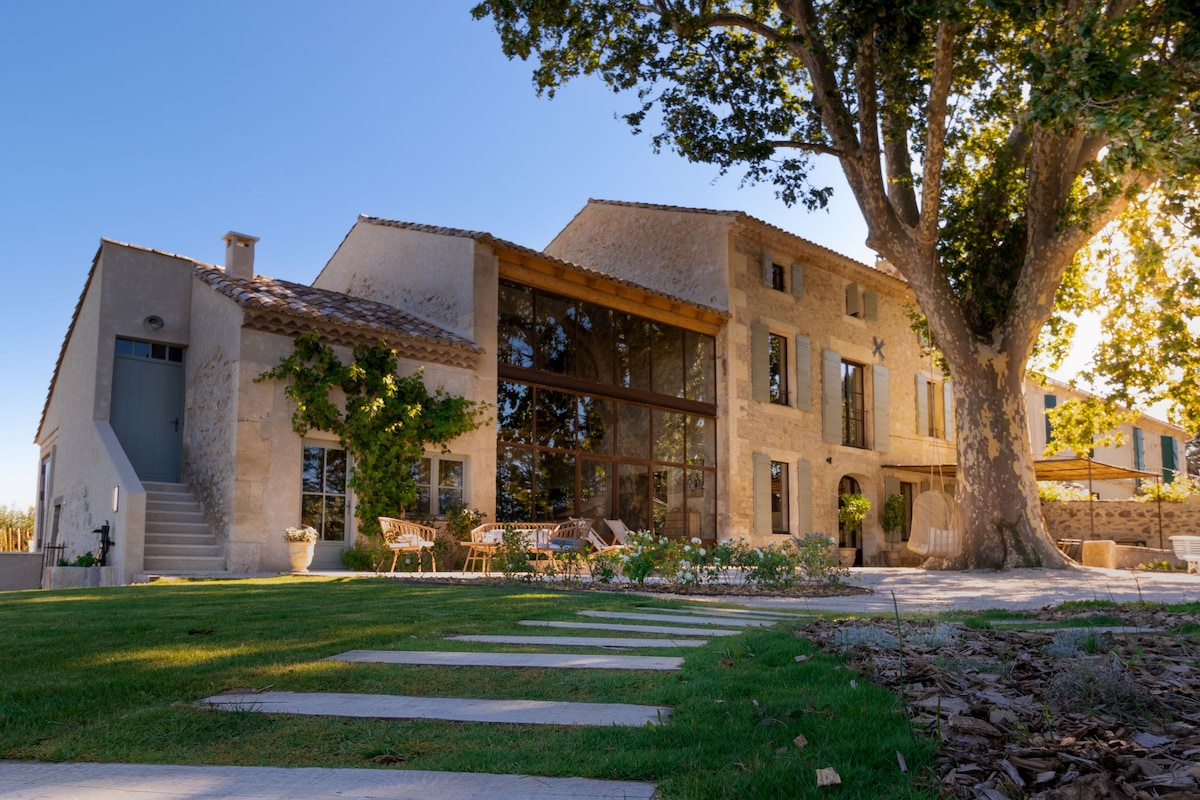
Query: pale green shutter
x=760, y=362
x=891, y=486
x=883, y=432
x=767, y=263
x=831, y=397
x=798, y=280
x=804, y=497
x=762, y=493
x=948, y=409
x=922, y=405
x=870, y=305
x=803, y=391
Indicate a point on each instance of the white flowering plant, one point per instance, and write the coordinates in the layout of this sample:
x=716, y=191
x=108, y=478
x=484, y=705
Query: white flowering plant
x=305, y=534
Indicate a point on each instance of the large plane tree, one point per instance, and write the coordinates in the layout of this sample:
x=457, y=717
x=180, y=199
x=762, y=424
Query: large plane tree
x=985, y=142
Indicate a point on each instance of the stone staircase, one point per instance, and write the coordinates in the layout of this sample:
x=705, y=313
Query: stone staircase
x=178, y=539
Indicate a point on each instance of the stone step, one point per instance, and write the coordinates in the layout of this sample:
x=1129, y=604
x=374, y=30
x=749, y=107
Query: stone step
x=178, y=528
x=191, y=515
x=184, y=564
x=155, y=487
x=733, y=622
x=182, y=550
x=192, y=539
x=609, y=642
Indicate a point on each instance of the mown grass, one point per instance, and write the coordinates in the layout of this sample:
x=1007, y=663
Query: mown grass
x=114, y=675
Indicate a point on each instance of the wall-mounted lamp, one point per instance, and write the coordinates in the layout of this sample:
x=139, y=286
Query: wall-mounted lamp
x=153, y=323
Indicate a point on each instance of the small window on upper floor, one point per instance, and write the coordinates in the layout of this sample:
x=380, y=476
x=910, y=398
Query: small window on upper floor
x=778, y=282
x=777, y=360
x=861, y=303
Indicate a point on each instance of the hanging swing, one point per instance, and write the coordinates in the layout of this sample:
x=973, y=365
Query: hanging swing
x=936, y=526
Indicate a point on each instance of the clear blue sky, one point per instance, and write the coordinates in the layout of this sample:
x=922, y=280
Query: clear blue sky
x=166, y=124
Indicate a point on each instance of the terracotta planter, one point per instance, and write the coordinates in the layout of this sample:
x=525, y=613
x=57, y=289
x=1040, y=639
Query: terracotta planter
x=846, y=555
x=300, y=554
x=891, y=558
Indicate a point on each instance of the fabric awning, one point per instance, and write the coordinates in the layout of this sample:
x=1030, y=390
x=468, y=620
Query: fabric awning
x=1046, y=469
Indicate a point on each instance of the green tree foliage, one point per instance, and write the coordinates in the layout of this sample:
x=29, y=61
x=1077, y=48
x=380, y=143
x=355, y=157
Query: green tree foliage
x=985, y=144
x=16, y=517
x=385, y=423
x=1081, y=425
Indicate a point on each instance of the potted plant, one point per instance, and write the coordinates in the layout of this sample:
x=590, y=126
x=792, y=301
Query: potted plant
x=300, y=542
x=852, y=510
x=892, y=522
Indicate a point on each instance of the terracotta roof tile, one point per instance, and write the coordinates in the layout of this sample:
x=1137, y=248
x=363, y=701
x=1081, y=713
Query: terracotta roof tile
x=324, y=306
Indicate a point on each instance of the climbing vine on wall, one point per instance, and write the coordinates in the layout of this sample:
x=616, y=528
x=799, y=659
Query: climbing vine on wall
x=385, y=425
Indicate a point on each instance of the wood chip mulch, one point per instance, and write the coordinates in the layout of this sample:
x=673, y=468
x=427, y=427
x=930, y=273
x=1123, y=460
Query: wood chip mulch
x=1049, y=715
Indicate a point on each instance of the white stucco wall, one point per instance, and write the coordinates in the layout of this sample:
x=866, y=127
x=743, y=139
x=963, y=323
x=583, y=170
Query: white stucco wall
x=128, y=284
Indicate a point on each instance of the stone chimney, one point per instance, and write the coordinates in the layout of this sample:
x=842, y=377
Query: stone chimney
x=239, y=254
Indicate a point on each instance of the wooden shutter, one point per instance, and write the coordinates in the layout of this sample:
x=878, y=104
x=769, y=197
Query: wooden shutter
x=762, y=493
x=882, y=427
x=803, y=392
x=798, y=280
x=853, y=300
x=767, y=263
x=760, y=362
x=870, y=305
x=804, y=498
x=831, y=397
x=1050, y=402
x=1170, y=462
x=1139, y=449
x=922, y=405
x=948, y=409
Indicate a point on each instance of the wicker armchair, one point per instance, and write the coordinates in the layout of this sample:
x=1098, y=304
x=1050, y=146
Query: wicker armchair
x=403, y=536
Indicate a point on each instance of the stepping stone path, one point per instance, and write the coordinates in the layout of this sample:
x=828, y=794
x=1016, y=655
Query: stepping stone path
x=729, y=612
x=517, y=711
x=611, y=642
x=545, y=660
x=605, y=626
x=743, y=622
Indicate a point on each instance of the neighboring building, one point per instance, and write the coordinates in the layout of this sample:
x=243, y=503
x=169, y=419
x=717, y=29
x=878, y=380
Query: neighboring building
x=705, y=374
x=1146, y=444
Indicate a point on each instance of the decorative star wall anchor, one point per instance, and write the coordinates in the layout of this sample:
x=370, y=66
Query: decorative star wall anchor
x=878, y=347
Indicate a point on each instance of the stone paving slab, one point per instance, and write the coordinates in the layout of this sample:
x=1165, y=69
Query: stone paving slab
x=614, y=642
x=544, y=660
x=613, y=626
x=454, y=709
x=70, y=781
x=737, y=612
x=742, y=622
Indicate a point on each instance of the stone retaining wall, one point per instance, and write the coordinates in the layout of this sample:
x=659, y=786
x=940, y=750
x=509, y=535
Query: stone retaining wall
x=1123, y=521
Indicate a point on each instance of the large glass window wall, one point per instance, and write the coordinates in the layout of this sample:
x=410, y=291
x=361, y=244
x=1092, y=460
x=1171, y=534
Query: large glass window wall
x=603, y=414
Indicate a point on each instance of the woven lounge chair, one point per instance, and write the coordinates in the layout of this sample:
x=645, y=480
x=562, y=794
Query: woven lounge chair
x=403, y=536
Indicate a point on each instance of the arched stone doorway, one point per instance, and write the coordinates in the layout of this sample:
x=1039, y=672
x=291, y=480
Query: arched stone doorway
x=850, y=535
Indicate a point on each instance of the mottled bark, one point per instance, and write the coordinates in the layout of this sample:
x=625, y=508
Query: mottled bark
x=996, y=489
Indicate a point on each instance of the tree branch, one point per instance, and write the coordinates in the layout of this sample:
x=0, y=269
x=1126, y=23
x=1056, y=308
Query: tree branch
x=812, y=147
x=935, y=137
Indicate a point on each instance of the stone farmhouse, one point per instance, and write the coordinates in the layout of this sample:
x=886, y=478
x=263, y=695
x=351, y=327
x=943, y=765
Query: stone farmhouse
x=697, y=373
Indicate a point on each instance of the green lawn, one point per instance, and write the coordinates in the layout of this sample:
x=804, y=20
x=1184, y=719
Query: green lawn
x=113, y=675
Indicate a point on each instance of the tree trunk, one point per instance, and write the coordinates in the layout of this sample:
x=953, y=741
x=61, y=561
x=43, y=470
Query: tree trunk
x=996, y=488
